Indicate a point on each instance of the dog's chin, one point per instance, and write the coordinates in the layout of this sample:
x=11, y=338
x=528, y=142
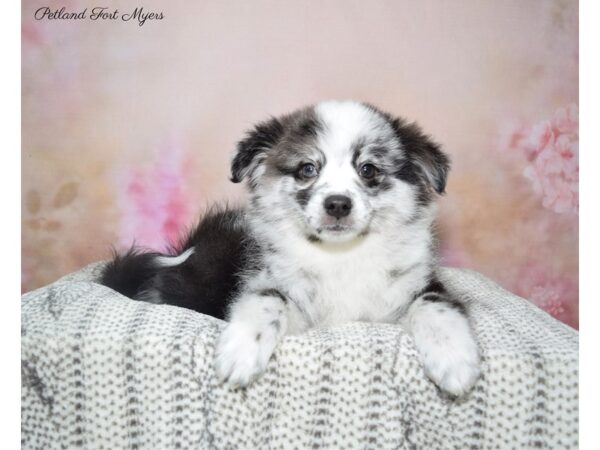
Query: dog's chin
x=337, y=233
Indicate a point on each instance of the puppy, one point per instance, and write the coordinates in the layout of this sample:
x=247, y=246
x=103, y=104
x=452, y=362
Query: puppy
x=338, y=228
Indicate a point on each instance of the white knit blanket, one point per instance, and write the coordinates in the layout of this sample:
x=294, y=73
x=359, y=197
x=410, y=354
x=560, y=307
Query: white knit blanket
x=102, y=371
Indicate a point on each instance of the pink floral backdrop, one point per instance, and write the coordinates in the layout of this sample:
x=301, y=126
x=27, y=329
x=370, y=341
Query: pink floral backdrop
x=127, y=130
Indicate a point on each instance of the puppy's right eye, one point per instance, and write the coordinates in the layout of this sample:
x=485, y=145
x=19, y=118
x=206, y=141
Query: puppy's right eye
x=308, y=171
x=368, y=171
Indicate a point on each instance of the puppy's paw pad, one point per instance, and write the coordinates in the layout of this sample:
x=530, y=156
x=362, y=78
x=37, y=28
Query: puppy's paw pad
x=242, y=354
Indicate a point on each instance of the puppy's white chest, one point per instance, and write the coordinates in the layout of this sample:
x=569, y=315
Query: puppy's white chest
x=368, y=279
x=336, y=287
x=354, y=291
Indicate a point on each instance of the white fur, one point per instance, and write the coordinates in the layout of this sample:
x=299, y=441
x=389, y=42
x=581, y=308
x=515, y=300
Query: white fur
x=256, y=326
x=347, y=120
x=349, y=280
x=171, y=261
x=446, y=344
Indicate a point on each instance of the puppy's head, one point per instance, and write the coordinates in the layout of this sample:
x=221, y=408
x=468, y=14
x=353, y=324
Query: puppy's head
x=339, y=170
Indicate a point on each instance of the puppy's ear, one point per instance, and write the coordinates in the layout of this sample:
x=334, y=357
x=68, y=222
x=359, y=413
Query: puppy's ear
x=424, y=155
x=252, y=150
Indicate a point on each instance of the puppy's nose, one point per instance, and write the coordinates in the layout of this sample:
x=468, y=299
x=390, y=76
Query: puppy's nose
x=338, y=205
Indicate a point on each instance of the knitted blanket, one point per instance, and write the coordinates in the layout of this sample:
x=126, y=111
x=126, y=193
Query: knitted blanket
x=102, y=371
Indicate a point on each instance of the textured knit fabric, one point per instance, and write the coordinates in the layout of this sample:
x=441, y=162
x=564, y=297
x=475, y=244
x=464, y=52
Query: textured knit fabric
x=103, y=371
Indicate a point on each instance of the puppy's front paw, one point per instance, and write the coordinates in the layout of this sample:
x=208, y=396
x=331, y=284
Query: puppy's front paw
x=243, y=353
x=454, y=371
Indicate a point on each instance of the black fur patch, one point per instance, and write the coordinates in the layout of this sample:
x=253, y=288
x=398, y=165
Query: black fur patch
x=287, y=171
x=128, y=272
x=303, y=196
x=375, y=186
x=425, y=156
x=206, y=281
x=263, y=137
x=314, y=239
x=273, y=293
x=408, y=172
x=424, y=164
x=435, y=292
x=379, y=152
x=445, y=299
x=287, y=142
x=373, y=182
x=432, y=297
x=306, y=127
x=434, y=285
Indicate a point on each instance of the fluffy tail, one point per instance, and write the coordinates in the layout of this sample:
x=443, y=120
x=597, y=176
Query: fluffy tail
x=130, y=272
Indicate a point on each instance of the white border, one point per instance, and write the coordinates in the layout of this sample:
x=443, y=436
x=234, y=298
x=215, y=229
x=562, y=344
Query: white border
x=10, y=95
x=589, y=223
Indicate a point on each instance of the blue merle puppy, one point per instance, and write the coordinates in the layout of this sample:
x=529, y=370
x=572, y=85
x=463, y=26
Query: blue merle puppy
x=338, y=228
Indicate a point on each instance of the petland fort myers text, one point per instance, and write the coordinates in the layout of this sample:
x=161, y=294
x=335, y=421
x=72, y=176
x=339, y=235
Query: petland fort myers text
x=99, y=13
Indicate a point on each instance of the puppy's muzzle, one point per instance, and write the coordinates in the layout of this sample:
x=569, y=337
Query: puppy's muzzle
x=337, y=206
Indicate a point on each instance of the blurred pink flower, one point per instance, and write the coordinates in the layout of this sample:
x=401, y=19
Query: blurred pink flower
x=557, y=294
x=552, y=151
x=153, y=202
x=548, y=298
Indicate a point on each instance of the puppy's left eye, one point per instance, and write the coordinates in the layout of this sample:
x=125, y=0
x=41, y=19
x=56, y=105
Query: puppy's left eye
x=308, y=171
x=368, y=171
